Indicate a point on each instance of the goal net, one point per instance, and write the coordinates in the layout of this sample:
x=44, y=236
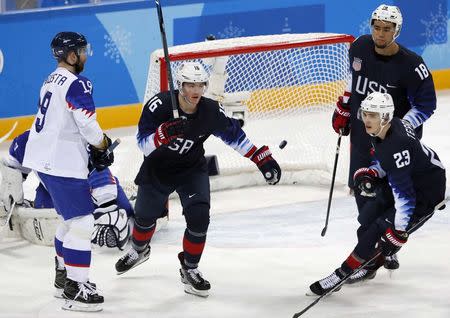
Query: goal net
x=283, y=87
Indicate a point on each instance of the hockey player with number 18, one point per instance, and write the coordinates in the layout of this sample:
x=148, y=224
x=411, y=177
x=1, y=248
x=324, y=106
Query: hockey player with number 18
x=379, y=64
x=417, y=185
x=63, y=129
x=175, y=161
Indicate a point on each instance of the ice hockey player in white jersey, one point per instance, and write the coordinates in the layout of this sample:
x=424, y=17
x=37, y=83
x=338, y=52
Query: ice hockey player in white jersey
x=64, y=127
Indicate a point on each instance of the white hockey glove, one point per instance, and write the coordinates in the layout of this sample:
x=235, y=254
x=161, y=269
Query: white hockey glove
x=111, y=228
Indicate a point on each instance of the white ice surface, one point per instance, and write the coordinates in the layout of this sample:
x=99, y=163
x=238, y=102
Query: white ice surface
x=263, y=251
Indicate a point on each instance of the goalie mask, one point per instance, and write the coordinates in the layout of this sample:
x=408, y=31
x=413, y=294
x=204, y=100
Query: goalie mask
x=380, y=103
x=111, y=227
x=388, y=14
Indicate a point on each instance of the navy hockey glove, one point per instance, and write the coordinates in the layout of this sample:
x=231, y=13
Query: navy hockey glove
x=391, y=241
x=267, y=165
x=341, y=117
x=169, y=130
x=366, y=180
x=100, y=158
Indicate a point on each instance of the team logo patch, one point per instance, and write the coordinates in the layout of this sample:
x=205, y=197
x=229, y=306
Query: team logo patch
x=357, y=64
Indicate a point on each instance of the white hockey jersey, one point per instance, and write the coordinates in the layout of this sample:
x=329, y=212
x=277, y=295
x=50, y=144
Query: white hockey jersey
x=64, y=125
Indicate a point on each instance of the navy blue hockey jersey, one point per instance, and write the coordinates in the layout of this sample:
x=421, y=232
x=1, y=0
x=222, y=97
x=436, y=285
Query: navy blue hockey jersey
x=413, y=170
x=172, y=163
x=403, y=75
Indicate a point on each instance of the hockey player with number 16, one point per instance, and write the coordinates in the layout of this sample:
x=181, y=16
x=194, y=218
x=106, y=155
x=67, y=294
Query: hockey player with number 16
x=175, y=161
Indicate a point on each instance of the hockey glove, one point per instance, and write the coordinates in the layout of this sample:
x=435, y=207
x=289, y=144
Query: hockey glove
x=101, y=158
x=366, y=180
x=341, y=117
x=267, y=165
x=111, y=227
x=170, y=130
x=391, y=241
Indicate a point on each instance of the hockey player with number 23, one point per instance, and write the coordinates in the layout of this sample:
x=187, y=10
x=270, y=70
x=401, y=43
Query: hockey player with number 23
x=175, y=161
x=417, y=185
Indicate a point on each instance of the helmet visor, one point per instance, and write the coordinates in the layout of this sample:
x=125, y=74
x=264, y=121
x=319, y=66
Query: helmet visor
x=86, y=50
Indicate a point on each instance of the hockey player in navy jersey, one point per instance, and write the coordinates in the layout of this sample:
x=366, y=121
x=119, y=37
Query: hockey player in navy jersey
x=175, y=161
x=379, y=64
x=408, y=177
x=64, y=127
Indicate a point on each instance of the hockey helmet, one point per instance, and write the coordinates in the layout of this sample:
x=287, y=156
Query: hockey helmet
x=388, y=14
x=191, y=72
x=380, y=103
x=65, y=42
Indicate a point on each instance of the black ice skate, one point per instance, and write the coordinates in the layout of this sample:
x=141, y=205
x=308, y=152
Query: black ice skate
x=60, y=280
x=81, y=296
x=361, y=275
x=326, y=284
x=132, y=259
x=391, y=262
x=192, y=279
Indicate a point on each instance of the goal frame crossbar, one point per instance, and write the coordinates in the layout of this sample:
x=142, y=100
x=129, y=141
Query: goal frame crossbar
x=246, y=49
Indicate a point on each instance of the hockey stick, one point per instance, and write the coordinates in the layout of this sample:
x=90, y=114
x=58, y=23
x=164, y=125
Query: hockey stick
x=166, y=58
x=2, y=139
x=346, y=277
x=330, y=196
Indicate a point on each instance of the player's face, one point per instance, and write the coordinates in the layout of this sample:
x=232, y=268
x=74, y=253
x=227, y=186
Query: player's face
x=372, y=122
x=383, y=33
x=193, y=92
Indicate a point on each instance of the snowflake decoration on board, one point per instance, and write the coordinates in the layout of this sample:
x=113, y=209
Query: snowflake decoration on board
x=117, y=44
x=286, y=28
x=435, y=27
x=364, y=27
x=231, y=31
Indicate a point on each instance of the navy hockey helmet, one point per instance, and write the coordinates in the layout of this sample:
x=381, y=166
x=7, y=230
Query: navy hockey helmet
x=65, y=42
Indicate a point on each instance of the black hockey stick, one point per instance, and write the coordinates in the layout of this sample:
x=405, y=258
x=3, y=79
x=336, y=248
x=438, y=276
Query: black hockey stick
x=166, y=58
x=333, y=177
x=346, y=277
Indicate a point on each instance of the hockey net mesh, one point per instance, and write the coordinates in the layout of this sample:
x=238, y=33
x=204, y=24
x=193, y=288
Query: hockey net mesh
x=288, y=85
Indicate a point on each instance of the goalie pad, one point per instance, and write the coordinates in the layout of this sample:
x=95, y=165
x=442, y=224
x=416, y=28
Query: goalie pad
x=36, y=225
x=111, y=227
x=11, y=189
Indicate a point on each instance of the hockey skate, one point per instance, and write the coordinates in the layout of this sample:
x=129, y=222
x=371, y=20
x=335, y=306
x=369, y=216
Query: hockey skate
x=391, y=262
x=326, y=284
x=81, y=296
x=132, y=259
x=192, y=279
x=361, y=275
x=60, y=280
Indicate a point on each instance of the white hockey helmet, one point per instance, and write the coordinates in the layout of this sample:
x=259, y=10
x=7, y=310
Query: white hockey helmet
x=380, y=103
x=191, y=72
x=388, y=14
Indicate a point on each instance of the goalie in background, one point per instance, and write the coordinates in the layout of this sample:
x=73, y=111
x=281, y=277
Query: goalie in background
x=175, y=161
x=113, y=213
x=409, y=179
